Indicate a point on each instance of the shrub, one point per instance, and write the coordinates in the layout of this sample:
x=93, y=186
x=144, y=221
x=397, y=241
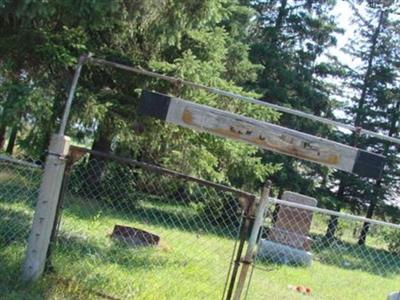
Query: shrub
x=220, y=207
x=393, y=240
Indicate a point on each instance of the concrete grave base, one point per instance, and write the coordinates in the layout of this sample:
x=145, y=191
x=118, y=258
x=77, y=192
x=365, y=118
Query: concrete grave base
x=394, y=296
x=283, y=254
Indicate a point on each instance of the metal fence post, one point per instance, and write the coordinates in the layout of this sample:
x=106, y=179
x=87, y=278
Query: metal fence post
x=258, y=221
x=57, y=219
x=46, y=207
x=244, y=230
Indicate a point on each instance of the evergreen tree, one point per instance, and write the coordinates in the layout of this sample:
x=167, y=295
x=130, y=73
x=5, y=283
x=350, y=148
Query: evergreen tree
x=201, y=41
x=289, y=39
x=375, y=88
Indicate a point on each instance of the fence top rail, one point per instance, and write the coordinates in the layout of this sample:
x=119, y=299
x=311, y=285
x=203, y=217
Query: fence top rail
x=162, y=170
x=298, y=113
x=333, y=213
x=19, y=162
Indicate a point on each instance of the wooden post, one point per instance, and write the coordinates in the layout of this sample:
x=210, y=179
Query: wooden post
x=46, y=207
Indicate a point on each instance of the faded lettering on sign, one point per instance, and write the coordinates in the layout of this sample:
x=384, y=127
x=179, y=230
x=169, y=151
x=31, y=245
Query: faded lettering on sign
x=259, y=135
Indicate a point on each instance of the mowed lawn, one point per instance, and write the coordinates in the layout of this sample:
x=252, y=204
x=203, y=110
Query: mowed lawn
x=191, y=261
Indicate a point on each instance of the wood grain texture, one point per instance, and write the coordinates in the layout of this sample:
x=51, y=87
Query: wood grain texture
x=269, y=136
x=262, y=134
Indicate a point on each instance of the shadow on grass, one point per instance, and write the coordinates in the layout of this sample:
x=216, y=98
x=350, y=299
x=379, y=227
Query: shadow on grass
x=347, y=256
x=19, y=187
x=76, y=249
x=14, y=231
x=18, y=194
x=351, y=256
x=12, y=288
x=15, y=226
x=156, y=212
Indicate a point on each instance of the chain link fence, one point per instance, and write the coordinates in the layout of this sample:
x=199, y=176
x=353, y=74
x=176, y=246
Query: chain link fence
x=130, y=230
x=310, y=253
x=19, y=186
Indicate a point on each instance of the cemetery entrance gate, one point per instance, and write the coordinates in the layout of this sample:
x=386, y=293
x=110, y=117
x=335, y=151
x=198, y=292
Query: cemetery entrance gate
x=130, y=229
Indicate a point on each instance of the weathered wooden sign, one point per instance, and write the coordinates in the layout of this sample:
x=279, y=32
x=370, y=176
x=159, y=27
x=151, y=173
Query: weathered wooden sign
x=262, y=134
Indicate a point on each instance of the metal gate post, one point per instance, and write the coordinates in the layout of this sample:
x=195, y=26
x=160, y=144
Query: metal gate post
x=248, y=258
x=244, y=229
x=57, y=220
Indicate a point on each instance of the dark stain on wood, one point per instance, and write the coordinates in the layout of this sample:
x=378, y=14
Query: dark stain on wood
x=285, y=144
x=187, y=117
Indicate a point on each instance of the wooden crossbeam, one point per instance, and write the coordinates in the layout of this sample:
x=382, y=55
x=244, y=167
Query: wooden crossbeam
x=262, y=134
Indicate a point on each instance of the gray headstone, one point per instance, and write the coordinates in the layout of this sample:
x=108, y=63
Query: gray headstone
x=299, y=198
x=292, y=224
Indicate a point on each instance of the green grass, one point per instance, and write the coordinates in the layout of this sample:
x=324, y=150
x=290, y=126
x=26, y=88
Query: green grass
x=185, y=263
x=190, y=263
x=326, y=282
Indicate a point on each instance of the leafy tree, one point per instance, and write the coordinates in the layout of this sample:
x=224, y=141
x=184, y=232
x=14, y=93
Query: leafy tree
x=21, y=103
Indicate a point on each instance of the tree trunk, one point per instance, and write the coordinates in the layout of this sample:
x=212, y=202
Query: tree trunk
x=334, y=220
x=49, y=128
x=365, y=229
x=96, y=164
x=359, y=118
x=277, y=206
x=332, y=227
x=3, y=129
x=281, y=15
x=12, y=139
x=392, y=131
x=48, y=131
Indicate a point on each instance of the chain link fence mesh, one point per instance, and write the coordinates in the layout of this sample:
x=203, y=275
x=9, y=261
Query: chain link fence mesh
x=304, y=254
x=133, y=232
x=19, y=186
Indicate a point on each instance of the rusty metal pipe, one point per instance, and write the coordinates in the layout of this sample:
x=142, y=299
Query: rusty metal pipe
x=161, y=170
x=243, y=237
x=248, y=258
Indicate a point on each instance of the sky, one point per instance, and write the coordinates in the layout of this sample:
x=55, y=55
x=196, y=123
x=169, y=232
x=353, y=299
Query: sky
x=343, y=14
